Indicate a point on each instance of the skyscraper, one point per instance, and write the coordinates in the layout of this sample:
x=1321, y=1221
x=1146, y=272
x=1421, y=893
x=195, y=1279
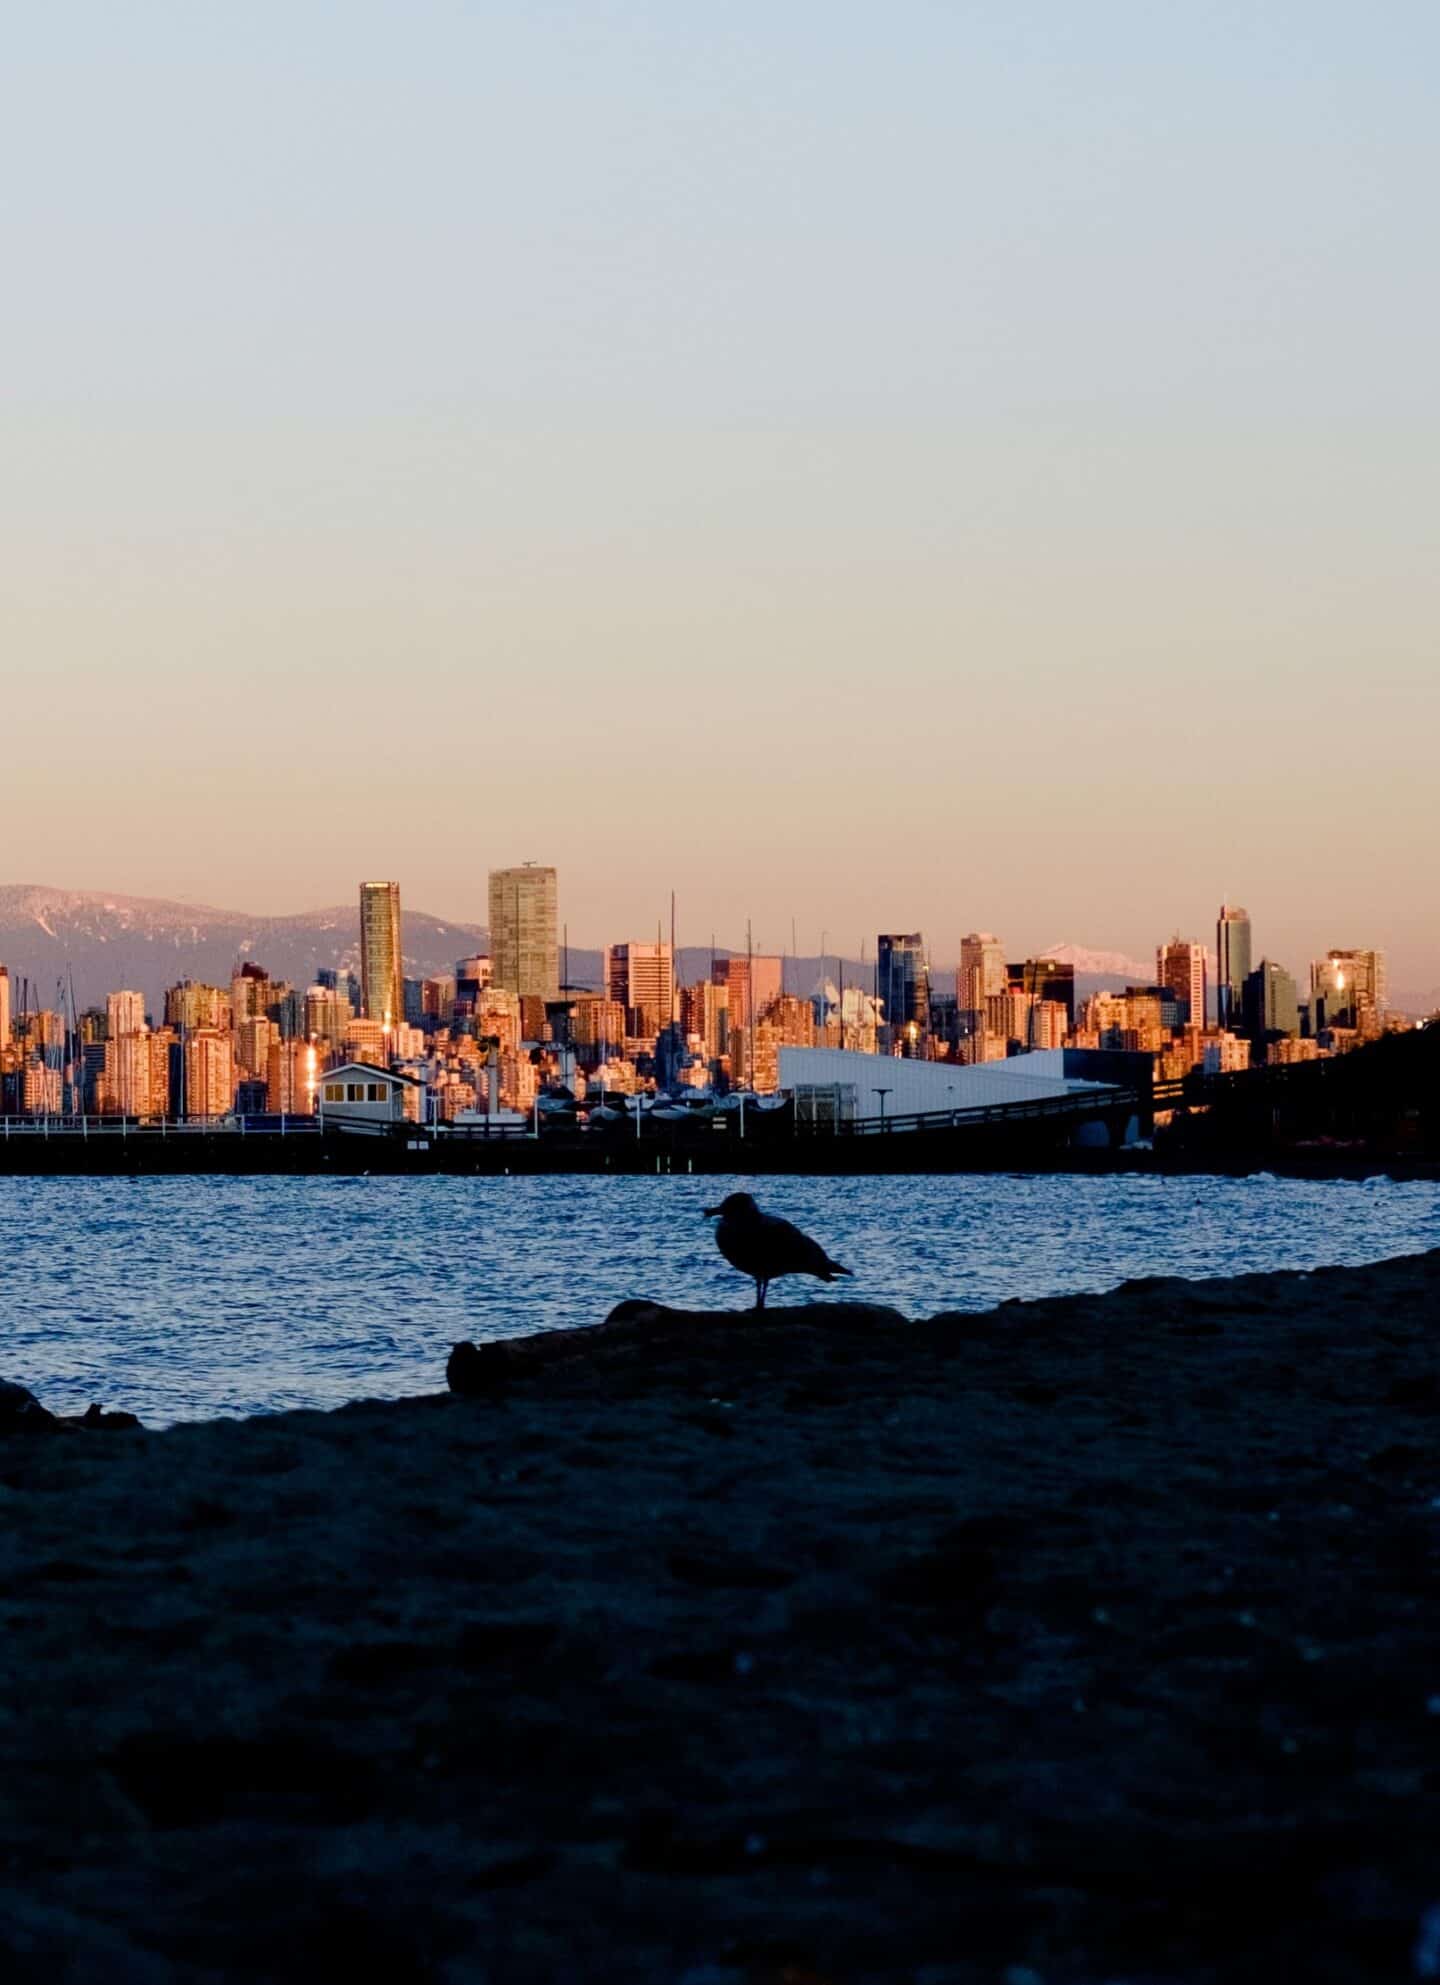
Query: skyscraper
x=1269, y=1003
x=1349, y=989
x=524, y=927
x=4, y=1007
x=381, y=957
x=1180, y=966
x=902, y=985
x=1232, y=963
x=983, y=972
x=642, y=978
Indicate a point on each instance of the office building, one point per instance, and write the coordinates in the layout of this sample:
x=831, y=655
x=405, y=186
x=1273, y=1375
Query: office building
x=1232, y=964
x=1349, y=989
x=381, y=956
x=902, y=986
x=983, y=973
x=1269, y=1004
x=524, y=926
x=641, y=977
x=4, y=1007
x=1180, y=966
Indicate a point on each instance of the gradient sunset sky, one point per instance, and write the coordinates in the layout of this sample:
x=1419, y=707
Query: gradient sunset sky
x=933, y=465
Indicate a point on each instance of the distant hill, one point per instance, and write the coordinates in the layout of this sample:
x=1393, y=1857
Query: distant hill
x=107, y=942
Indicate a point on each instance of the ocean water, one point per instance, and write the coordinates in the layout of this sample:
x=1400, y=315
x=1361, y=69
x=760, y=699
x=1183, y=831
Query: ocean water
x=181, y=1299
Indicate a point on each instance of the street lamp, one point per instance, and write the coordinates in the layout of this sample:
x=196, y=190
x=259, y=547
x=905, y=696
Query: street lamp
x=882, y=1093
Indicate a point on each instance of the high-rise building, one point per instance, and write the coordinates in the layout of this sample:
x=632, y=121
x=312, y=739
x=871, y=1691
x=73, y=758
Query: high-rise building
x=1008, y=1015
x=4, y=1008
x=524, y=930
x=1350, y=989
x=250, y=993
x=209, y=1074
x=252, y=1040
x=705, y=1015
x=160, y=1045
x=1180, y=965
x=983, y=972
x=1232, y=964
x=124, y=1014
x=902, y=985
x=754, y=983
x=1269, y=1003
x=1047, y=981
x=327, y=1015
x=381, y=956
x=291, y=1077
x=788, y=1023
x=122, y=1084
x=190, y=1006
x=642, y=978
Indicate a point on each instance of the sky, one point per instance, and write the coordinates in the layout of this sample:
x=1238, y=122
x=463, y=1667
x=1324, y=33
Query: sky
x=936, y=466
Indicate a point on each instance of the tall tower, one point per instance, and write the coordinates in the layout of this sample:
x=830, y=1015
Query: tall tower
x=1232, y=964
x=524, y=931
x=381, y=970
x=1180, y=967
x=903, y=983
x=983, y=972
x=4, y=1007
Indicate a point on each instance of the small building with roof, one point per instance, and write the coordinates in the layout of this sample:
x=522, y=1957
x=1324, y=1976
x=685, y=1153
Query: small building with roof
x=359, y=1096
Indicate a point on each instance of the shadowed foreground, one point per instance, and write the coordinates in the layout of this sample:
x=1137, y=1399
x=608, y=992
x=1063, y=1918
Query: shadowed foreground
x=1085, y=1640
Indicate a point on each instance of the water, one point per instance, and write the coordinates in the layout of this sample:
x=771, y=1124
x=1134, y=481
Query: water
x=183, y=1298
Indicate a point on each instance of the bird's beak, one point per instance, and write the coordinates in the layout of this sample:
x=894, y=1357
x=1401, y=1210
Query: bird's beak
x=711, y=1212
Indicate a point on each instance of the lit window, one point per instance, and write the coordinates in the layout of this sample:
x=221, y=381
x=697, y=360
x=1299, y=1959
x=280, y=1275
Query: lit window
x=355, y=1092
x=334, y=1092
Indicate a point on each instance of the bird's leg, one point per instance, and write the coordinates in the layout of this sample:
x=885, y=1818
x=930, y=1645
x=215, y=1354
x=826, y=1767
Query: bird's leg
x=760, y=1288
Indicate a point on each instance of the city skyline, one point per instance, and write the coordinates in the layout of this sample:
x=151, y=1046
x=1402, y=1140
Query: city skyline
x=949, y=468
x=943, y=950
x=495, y=1031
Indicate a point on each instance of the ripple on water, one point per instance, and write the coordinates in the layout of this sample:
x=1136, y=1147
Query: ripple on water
x=184, y=1298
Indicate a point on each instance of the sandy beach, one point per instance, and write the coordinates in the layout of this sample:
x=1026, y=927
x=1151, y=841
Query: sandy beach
x=1090, y=1639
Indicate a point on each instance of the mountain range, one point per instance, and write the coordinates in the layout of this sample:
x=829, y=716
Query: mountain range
x=105, y=941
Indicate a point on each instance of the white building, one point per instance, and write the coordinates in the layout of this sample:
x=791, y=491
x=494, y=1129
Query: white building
x=356, y=1096
x=851, y=1084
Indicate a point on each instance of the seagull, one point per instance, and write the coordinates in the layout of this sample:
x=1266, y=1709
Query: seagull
x=763, y=1247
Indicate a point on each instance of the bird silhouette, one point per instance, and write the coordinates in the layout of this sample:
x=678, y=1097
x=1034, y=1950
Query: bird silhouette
x=765, y=1248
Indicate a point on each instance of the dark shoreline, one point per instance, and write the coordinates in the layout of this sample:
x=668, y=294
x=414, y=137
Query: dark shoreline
x=1088, y=1638
x=262, y=1154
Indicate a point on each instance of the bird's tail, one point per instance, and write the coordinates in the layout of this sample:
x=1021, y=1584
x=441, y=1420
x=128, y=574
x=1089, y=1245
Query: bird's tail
x=833, y=1269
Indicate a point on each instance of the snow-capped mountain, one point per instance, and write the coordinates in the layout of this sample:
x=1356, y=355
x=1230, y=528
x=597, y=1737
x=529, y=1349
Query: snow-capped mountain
x=106, y=942
x=1101, y=964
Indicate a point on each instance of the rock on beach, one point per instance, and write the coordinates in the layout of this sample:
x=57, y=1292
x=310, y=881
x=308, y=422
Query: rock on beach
x=1087, y=1639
